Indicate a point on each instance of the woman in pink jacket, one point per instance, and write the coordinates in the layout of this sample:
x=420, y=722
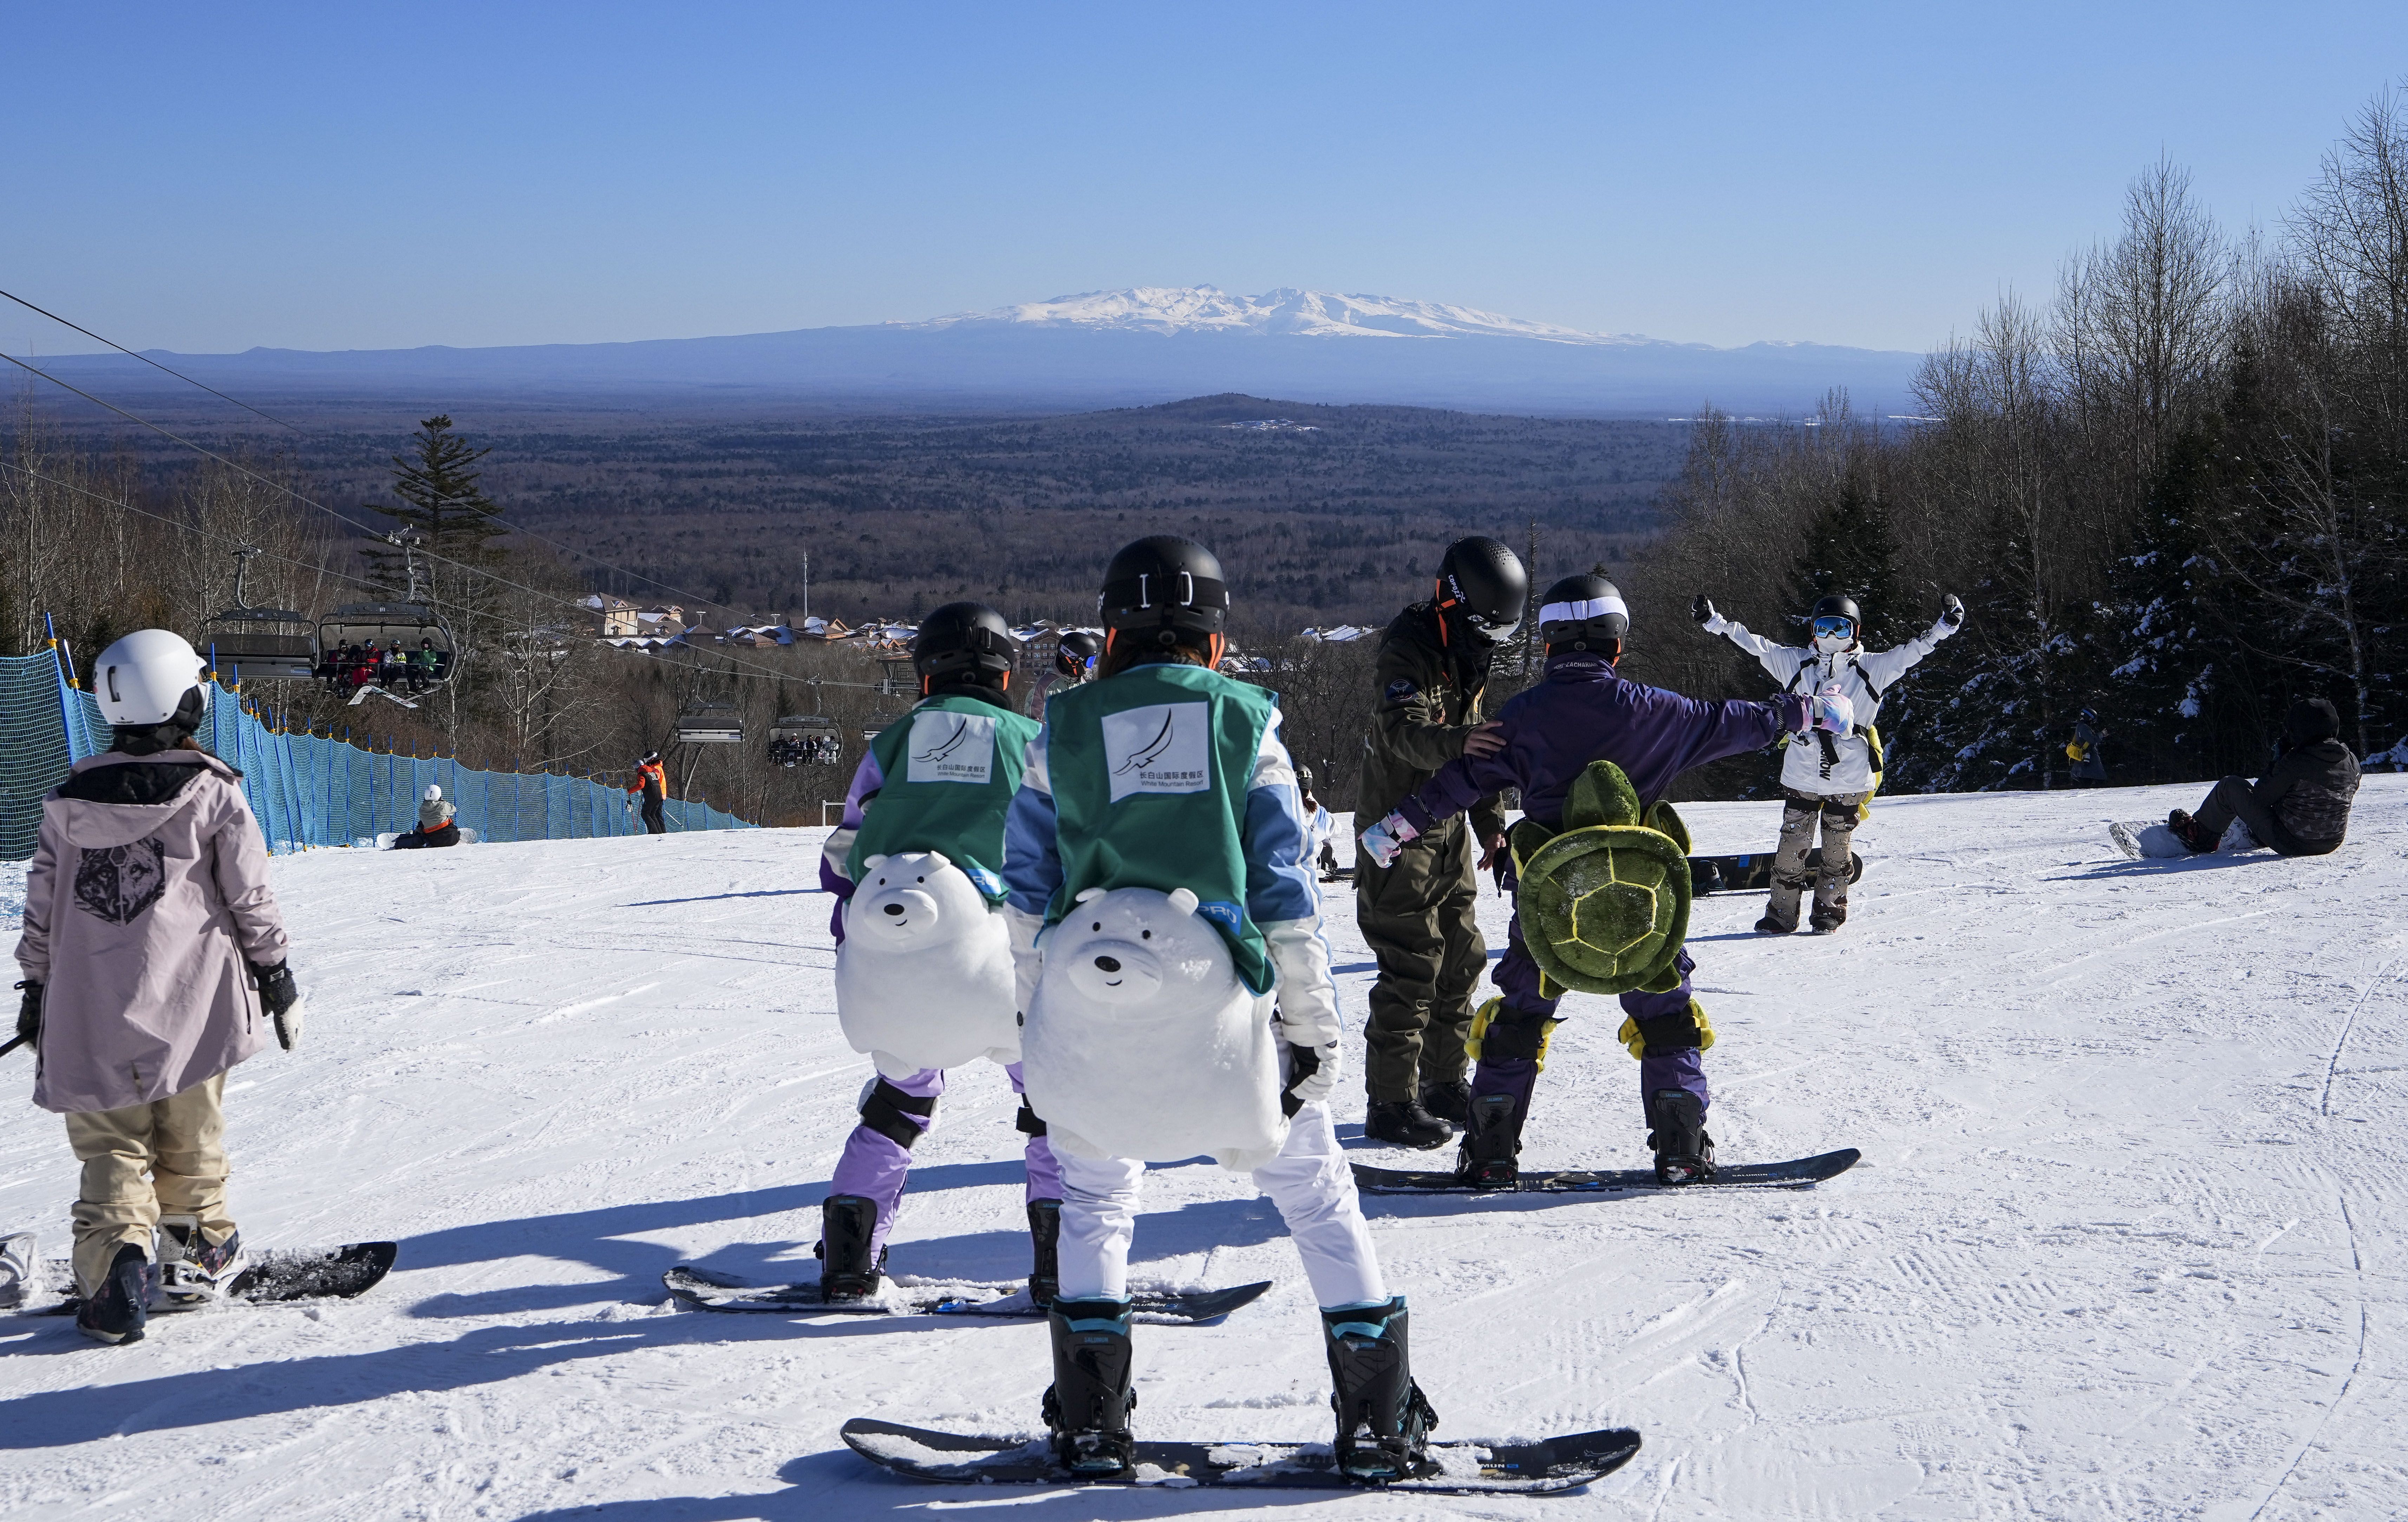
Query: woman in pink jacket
x=153, y=956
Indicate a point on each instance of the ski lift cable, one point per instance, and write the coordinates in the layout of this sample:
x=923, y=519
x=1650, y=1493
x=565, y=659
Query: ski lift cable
x=148, y=360
x=308, y=501
x=695, y=597
x=757, y=673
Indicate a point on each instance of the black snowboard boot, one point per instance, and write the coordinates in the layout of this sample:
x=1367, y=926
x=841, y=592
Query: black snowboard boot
x=1684, y=1154
x=1449, y=1102
x=1491, y=1156
x=1404, y=1122
x=2192, y=834
x=1828, y=918
x=117, y=1311
x=1045, y=1237
x=846, y=1271
x=1382, y=1419
x=1088, y=1408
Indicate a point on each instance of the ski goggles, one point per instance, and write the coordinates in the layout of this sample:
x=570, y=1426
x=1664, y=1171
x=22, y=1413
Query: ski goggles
x=1833, y=626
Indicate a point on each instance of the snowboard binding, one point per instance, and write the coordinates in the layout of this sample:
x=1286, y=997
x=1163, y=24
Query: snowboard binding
x=192, y=1270
x=1384, y=1420
x=1684, y=1154
x=1087, y=1406
x=117, y=1310
x=847, y=1269
x=1491, y=1154
x=1045, y=1242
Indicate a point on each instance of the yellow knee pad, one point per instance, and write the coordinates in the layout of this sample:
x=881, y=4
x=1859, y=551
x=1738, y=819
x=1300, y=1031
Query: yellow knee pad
x=1689, y=1027
x=1486, y=1016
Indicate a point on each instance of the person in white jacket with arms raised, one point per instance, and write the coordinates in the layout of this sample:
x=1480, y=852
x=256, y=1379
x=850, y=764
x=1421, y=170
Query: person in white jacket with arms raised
x=1824, y=775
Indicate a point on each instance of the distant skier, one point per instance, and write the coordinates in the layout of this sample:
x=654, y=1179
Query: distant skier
x=2086, y=750
x=1833, y=775
x=653, y=784
x=1418, y=912
x=1544, y=737
x=152, y=945
x=435, y=828
x=963, y=655
x=1074, y=662
x=2299, y=809
x=1205, y=801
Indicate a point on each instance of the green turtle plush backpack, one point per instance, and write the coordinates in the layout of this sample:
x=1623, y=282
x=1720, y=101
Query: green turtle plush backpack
x=1605, y=901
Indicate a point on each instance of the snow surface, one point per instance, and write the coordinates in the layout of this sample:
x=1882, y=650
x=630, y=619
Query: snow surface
x=1318, y=314
x=2126, y=1241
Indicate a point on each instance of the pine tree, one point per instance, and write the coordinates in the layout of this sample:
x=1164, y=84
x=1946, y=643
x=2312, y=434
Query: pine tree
x=1850, y=552
x=443, y=504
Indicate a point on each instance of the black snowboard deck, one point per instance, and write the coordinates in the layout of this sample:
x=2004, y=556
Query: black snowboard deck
x=708, y=1289
x=1752, y=873
x=1797, y=1174
x=1463, y=1468
x=340, y=1273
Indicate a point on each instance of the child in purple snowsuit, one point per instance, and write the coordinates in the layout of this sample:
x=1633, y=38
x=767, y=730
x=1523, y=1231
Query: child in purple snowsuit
x=1585, y=711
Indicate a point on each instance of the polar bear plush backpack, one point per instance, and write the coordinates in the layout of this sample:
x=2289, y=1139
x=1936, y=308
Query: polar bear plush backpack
x=1142, y=1043
x=924, y=978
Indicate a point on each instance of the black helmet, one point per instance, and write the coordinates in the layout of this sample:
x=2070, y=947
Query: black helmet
x=1836, y=605
x=1583, y=612
x=1165, y=591
x=963, y=643
x=1484, y=581
x=1077, y=655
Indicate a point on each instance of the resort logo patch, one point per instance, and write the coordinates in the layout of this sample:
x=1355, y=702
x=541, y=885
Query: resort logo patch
x=951, y=748
x=1161, y=748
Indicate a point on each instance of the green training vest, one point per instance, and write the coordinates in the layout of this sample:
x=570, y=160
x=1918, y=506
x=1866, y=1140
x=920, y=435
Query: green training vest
x=949, y=769
x=1150, y=771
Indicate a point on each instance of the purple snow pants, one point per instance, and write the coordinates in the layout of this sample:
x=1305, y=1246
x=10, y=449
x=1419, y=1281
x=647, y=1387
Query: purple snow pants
x=1518, y=978
x=875, y=1168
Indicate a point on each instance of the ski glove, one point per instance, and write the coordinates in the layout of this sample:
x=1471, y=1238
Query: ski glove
x=1830, y=710
x=1384, y=840
x=1952, y=613
x=1309, y=1078
x=29, y=1014
x=1702, y=609
x=282, y=999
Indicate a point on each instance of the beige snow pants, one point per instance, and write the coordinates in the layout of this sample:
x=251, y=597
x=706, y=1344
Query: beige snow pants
x=179, y=1143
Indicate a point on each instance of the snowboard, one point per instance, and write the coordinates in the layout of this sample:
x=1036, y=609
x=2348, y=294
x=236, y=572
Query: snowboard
x=707, y=1289
x=2143, y=841
x=1752, y=873
x=1463, y=1468
x=339, y=1273
x=1797, y=1174
x=384, y=841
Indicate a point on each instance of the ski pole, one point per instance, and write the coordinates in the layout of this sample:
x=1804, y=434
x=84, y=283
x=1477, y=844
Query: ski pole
x=13, y=1045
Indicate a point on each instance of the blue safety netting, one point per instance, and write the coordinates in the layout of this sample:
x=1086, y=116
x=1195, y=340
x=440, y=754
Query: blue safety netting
x=305, y=790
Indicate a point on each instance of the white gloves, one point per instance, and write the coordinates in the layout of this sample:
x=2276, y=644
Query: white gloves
x=1391, y=835
x=1830, y=710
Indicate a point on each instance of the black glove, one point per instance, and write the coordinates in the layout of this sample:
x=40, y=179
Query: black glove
x=281, y=997
x=1302, y=1063
x=1702, y=609
x=1952, y=613
x=29, y=1014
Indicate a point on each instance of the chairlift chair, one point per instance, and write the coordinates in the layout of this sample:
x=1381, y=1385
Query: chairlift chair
x=413, y=647
x=709, y=724
x=803, y=738
x=259, y=644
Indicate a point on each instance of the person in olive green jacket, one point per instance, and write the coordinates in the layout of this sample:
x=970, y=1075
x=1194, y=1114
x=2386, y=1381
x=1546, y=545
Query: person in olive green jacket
x=1417, y=914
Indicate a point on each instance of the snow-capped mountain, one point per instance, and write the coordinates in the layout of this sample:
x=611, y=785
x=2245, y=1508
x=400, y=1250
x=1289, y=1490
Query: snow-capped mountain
x=1316, y=314
x=1134, y=346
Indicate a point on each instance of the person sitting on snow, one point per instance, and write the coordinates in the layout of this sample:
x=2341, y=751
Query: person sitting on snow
x=1832, y=775
x=435, y=824
x=2301, y=808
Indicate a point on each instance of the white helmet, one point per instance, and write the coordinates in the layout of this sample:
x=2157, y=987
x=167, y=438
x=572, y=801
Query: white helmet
x=150, y=677
x=433, y=793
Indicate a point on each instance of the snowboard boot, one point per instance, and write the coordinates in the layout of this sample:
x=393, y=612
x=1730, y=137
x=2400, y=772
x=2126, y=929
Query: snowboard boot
x=1491, y=1155
x=1403, y=1122
x=1684, y=1154
x=2191, y=833
x=1828, y=918
x=1088, y=1407
x=1383, y=1421
x=1776, y=923
x=192, y=1270
x=846, y=1270
x=117, y=1311
x=1449, y=1102
x=1045, y=1238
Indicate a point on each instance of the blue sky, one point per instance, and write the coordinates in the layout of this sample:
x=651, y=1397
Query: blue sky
x=210, y=178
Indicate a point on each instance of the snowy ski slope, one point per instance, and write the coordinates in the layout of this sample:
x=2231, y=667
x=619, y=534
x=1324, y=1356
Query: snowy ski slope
x=2126, y=1241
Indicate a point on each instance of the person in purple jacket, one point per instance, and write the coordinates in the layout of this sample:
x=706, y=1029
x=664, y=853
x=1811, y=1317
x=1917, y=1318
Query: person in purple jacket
x=1585, y=711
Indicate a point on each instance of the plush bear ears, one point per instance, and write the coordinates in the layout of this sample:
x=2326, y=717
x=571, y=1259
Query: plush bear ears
x=938, y=861
x=1183, y=900
x=871, y=864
